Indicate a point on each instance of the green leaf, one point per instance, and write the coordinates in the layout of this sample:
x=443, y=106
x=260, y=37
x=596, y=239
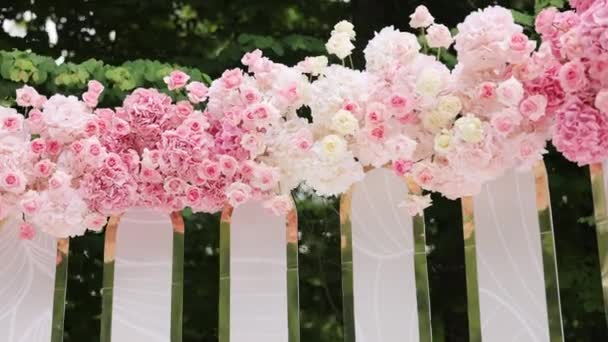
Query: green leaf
x=523, y=19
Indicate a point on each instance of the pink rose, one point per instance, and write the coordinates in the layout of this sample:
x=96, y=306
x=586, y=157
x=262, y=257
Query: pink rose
x=90, y=99
x=183, y=109
x=303, y=140
x=238, y=193
x=30, y=205
x=421, y=17
x=232, y=78
x=487, y=90
x=95, y=87
x=174, y=185
x=209, y=170
x=176, y=79
x=401, y=167
x=533, y=107
x=250, y=96
x=12, y=182
x=37, y=146
x=601, y=101
x=397, y=101
x=34, y=121
x=228, y=165
x=44, y=168
x=197, y=92
x=377, y=133
x=544, y=22
x=12, y=123
x=150, y=175
x=91, y=128
x=59, y=180
x=27, y=96
x=95, y=222
x=26, y=231
x=439, y=36
x=518, y=42
x=193, y=195
x=53, y=147
x=279, y=205
x=572, y=76
x=265, y=178
x=250, y=58
x=503, y=123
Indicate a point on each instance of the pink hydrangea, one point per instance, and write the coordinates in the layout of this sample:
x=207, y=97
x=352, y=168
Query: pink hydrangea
x=581, y=133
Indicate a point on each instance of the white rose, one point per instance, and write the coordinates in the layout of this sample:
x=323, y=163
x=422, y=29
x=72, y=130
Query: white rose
x=439, y=36
x=339, y=44
x=318, y=65
x=344, y=122
x=435, y=120
x=333, y=147
x=345, y=27
x=450, y=105
x=443, y=141
x=421, y=17
x=469, y=128
x=429, y=83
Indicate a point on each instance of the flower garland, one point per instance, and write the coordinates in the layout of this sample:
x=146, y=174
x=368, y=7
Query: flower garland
x=65, y=164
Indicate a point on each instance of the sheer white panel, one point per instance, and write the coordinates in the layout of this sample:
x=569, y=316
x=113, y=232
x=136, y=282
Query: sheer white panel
x=27, y=278
x=142, y=279
x=258, y=288
x=383, y=258
x=509, y=261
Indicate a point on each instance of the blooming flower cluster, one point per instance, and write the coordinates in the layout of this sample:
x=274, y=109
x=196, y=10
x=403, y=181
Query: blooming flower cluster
x=65, y=165
x=43, y=159
x=578, y=41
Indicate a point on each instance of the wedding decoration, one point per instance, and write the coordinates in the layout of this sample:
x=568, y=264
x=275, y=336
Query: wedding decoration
x=578, y=42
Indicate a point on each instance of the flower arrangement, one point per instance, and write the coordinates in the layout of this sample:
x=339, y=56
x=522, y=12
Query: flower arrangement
x=578, y=42
x=65, y=164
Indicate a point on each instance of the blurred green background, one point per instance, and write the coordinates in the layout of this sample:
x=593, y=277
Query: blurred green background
x=212, y=35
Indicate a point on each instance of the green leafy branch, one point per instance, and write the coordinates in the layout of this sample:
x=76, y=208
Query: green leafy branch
x=22, y=67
